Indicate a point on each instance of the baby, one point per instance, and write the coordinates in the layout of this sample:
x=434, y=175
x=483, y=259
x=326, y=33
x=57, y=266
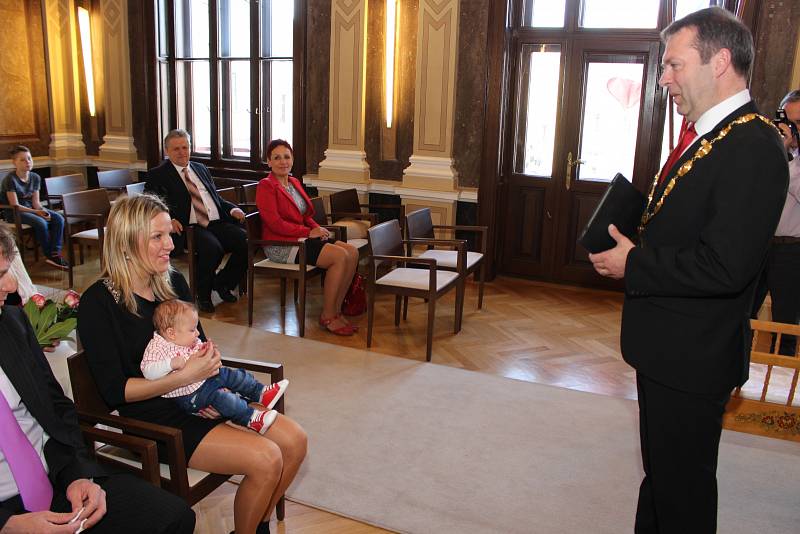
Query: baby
x=176, y=338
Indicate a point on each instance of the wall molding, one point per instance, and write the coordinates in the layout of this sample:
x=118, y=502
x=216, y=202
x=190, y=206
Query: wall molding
x=396, y=188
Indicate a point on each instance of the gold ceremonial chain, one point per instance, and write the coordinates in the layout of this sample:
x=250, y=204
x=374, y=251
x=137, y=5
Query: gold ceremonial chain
x=703, y=151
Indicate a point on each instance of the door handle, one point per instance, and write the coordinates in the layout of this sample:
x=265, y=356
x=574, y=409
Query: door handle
x=571, y=163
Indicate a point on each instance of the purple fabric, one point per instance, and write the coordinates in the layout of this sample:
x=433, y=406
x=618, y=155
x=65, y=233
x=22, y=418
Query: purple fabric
x=26, y=466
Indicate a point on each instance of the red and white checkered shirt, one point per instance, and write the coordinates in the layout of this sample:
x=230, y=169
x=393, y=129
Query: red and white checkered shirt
x=155, y=362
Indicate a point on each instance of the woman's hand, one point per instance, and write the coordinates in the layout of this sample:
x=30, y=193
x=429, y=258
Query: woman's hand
x=203, y=364
x=319, y=232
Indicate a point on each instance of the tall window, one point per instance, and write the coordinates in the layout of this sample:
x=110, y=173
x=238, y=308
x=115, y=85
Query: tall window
x=226, y=74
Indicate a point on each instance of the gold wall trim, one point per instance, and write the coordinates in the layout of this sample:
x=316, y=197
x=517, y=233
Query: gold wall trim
x=348, y=74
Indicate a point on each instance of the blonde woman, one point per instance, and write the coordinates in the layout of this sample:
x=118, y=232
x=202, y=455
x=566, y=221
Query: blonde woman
x=115, y=324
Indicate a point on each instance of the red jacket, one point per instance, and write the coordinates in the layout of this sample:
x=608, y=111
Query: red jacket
x=280, y=217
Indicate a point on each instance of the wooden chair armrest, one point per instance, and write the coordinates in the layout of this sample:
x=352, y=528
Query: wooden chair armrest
x=16, y=210
x=274, y=370
x=172, y=438
x=248, y=207
x=430, y=262
x=339, y=231
x=481, y=230
x=146, y=449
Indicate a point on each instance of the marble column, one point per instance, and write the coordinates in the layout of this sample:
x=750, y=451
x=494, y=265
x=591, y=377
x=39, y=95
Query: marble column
x=66, y=145
x=345, y=158
x=117, y=147
x=434, y=102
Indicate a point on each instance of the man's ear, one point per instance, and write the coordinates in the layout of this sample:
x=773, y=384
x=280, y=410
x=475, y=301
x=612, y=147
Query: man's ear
x=722, y=62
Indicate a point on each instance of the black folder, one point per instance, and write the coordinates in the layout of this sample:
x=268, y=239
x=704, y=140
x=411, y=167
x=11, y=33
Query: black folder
x=621, y=205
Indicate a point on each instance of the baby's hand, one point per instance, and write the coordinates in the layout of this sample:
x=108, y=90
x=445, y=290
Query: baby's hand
x=178, y=362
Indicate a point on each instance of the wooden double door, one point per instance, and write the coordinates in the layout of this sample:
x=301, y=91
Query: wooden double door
x=583, y=106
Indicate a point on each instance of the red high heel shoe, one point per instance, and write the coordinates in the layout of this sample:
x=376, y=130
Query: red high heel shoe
x=346, y=330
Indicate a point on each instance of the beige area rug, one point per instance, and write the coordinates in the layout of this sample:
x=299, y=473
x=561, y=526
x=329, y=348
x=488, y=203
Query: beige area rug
x=424, y=448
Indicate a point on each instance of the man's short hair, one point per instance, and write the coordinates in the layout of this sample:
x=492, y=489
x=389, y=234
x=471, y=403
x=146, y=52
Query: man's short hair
x=169, y=312
x=717, y=28
x=17, y=149
x=177, y=133
x=791, y=97
x=7, y=248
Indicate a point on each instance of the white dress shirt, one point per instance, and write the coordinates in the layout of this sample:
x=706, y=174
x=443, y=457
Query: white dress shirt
x=789, y=224
x=208, y=202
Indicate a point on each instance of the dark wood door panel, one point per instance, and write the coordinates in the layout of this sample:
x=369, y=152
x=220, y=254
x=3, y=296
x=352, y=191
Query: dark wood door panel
x=526, y=222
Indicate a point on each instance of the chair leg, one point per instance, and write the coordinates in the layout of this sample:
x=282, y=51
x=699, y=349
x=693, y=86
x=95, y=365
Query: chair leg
x=295, y=290
x=80, y=252
x=280, y=508
x=481, y=281
x=370, y=317
x=397, y=300
x=405, y=308
x=431, y=318
x=71, y=260
x=460, y=290
x=283, y=292
x=301, y=306
x=250, y=276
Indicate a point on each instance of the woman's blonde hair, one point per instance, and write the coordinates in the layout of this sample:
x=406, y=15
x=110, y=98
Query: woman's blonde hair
x=124, y=248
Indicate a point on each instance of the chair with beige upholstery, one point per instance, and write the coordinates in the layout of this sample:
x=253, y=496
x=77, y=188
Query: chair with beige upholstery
x=88, y=209
x=430, y=283
x=346, y=210
x=323, y=219
x=419, y=225
x=131, y=445
x=299, y=272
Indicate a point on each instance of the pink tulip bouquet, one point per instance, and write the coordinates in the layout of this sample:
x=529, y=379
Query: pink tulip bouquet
x=52, y=321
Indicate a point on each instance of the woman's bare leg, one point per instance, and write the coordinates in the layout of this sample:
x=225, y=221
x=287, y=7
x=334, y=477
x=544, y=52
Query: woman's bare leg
x=351, y=258
x=231, y=450
x=334, y=260
x=293, y=443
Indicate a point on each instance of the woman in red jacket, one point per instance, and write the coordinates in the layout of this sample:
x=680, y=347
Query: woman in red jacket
x=287, y=215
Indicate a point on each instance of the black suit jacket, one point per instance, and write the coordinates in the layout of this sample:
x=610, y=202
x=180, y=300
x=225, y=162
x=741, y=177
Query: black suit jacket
x=26, y=367
x=165, y=182
x=691, y=281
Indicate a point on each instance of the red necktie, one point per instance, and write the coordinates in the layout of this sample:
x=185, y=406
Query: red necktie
x=200, y=212
x=25, y=464
x=687, y=137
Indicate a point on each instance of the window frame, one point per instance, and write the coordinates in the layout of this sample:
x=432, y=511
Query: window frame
x=221, y=160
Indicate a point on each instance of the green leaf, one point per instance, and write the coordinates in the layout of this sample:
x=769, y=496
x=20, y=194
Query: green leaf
x=56, y=331
x=47, y=317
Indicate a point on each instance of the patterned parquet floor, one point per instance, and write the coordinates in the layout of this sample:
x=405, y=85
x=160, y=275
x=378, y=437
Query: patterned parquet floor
x=537, y=332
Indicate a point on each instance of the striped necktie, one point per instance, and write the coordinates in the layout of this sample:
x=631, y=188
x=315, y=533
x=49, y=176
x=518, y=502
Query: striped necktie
x=200, y=211
x=687, y=137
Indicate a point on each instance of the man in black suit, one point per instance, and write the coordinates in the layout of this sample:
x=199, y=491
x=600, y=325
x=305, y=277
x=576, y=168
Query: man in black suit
x=84, y=494
x=189, y=191
x=690, y=281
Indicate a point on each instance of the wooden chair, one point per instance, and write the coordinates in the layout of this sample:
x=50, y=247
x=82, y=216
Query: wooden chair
x=115, y=181
x=386, y=244
x=323, y=219
x=21, y=231
x=419, y=225
x=88, y=209
x=140, y=457
x=248, y=192
x=300, y=272
x=346, y=210
x=760, y=416
x=58, y=186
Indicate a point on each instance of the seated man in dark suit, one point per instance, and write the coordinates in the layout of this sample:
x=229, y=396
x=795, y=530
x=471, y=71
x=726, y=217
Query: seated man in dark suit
x=188, y=189
x=48, y=481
